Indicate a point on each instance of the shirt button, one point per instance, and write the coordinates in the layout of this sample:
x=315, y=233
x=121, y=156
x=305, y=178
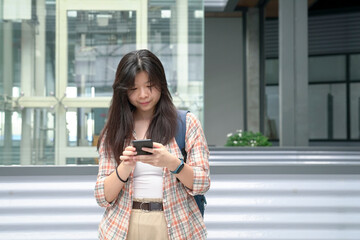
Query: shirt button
x=169, y=225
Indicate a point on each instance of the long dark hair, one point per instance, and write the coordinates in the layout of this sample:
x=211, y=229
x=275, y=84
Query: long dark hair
x=119, y=127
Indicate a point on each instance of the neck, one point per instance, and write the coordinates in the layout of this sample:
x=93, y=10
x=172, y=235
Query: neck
x=147, y=116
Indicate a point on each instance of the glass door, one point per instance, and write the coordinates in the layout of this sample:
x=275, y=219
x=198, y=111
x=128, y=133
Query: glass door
x=92, y=38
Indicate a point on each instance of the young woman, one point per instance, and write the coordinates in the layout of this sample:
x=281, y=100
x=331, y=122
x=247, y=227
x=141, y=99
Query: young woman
x=144, y=197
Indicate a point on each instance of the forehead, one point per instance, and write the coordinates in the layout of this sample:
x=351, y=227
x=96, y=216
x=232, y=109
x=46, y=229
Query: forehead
x=141, y=78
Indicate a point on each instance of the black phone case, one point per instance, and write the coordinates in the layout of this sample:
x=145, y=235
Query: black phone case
x=138, y=144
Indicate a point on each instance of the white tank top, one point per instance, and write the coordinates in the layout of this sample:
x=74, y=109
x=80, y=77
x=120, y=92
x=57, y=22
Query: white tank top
x=148, y=181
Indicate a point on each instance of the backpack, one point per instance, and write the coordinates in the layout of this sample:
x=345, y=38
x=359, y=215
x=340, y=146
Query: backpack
x=180, y=140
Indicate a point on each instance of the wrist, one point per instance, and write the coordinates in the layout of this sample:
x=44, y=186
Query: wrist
x=174, y=163
x=119, y=177
x=179, y=167
x=126, y=166
x=124, y=170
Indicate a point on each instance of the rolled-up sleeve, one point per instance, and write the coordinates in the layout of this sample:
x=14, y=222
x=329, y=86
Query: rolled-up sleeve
x=197, y=155
x=106, y=167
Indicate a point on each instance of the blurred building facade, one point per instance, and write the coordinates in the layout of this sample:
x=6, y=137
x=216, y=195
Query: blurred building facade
x=264, y=87
x=57, y=64
x=232, y=63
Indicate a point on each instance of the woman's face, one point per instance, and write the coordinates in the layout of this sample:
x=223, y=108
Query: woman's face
x=143, y=95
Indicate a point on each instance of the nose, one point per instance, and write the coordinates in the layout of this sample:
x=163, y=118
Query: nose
x=144, y=92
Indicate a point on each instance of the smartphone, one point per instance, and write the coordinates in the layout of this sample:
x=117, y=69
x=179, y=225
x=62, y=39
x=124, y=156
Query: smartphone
x=138, y=144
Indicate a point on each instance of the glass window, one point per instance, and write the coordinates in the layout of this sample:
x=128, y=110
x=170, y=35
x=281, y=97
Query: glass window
x=321, y=69
x=84, y=125
x=27, y=51
x=50, y=47
x=355, y=110
x=182, y=55
x=58, y=64
x=355, y=67
x=272, y=112
x=327, y=111
x=97, y=40
x=272, y=71
x=27, y=136
x=10, y=56
x=327, y=68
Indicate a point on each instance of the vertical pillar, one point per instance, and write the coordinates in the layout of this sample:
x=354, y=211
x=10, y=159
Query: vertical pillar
x=8, y=153
x=7, y=59
x=182, y=46
x=173, y=77
x=27, y=58
x=27, y=83
x=26, y=155
x=8, y=63
x=81, y=120
x=293, y=72
x=40, y=55
x=253, y=70
x=40, y=60
x=61, y=71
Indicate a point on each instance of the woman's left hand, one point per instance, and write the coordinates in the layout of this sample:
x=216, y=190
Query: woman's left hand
x=160, y=156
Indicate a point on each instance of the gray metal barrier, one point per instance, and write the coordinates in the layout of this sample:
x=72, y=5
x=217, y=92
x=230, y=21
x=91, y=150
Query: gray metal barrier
x=255, y=194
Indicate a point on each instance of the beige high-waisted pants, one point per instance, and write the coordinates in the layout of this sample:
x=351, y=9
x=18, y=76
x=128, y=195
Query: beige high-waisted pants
x=147, y=225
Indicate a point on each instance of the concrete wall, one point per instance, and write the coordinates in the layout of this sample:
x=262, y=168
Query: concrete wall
x=223, y=97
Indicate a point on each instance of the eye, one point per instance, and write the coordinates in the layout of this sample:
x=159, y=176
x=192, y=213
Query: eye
x=132, y=89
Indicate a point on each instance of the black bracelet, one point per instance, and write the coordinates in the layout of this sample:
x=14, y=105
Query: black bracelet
x=124, y=181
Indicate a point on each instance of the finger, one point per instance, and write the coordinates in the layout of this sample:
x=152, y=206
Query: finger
x=130, y=148
x=129, y=153
x=157, y=145
x=125, y=158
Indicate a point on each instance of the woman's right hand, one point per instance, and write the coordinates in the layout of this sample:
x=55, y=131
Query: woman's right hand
x=127, y=157
x=112, y=184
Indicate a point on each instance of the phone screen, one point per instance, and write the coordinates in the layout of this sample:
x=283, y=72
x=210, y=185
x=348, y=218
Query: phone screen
x=138, y=144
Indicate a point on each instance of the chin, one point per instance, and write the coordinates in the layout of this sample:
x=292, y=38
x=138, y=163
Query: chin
x=146, y=109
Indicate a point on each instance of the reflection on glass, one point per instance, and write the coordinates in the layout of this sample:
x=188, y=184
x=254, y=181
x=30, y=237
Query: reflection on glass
x=84, y=125
x=327, y=68
x=355, y=67
x=11, y=51
x=272, y=113
x=27, y=137
x=183, y=60
x=27, y=44
x=272, y=71
x=355, y=110
x=97, y=40
x=327, y=111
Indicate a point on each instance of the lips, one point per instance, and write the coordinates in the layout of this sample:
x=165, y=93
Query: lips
x=144, y=103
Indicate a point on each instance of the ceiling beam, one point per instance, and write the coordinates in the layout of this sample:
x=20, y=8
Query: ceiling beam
x=248, y=3
x=262, y=3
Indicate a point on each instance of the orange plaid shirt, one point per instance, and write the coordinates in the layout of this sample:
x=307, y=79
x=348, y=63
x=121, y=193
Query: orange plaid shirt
x=184, y=220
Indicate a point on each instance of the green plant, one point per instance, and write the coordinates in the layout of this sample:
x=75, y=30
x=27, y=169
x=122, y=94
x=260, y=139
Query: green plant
x=247, y=139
